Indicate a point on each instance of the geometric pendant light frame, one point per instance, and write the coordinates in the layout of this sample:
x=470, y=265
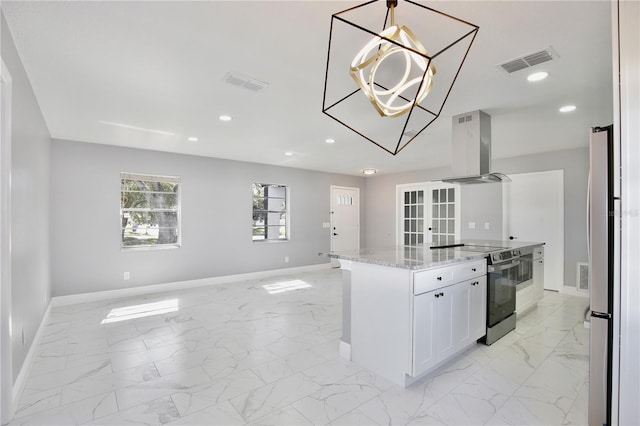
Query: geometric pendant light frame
x=350, y=92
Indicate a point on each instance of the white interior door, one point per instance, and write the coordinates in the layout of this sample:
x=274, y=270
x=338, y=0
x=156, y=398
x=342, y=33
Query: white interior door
x=534, y=211
x=443, y=214
x=345, y=219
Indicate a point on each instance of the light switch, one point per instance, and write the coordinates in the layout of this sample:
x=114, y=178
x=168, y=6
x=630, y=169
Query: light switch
x=472, y=225
x=486, y=225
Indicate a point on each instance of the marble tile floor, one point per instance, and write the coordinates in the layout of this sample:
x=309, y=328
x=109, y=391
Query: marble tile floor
x=265, y=352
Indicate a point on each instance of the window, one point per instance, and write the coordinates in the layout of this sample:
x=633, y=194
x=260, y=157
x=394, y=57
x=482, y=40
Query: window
x=149, y=211
x=270, y=212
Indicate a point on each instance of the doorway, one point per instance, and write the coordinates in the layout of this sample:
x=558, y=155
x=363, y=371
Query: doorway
x=428, y=213
x=533, y=206
x=345, y=220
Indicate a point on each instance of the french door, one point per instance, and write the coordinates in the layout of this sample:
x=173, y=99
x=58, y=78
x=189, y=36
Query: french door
x=428, y=213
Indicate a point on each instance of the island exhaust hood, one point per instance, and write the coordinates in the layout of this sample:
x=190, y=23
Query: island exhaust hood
x=471, y=153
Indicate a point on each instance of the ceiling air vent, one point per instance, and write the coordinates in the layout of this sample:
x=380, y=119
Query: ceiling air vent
x=245, y=82
x=528, y=61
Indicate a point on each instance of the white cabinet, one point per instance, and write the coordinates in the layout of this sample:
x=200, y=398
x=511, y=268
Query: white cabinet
x=431, y=279
x=425, y=326
x=447, y=320
x=405, y=323
x=478, y=309
x=538, y=272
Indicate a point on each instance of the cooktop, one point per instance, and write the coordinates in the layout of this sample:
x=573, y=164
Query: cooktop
x=478, y=248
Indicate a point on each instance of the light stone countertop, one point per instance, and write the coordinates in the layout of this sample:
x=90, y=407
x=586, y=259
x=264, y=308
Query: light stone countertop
x=423, y=257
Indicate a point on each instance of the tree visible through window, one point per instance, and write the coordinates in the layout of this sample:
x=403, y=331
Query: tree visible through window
x=149, y=210
x=270, y=212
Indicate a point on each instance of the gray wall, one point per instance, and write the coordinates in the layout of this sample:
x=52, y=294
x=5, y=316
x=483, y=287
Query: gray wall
x=30, y=144
x=475, y=207
x=575, y=163
x=380, y=228
x=216, y=218
x=381, y=193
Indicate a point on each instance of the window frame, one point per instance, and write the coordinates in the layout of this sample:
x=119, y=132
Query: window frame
x=287, y=213
x=178, y=210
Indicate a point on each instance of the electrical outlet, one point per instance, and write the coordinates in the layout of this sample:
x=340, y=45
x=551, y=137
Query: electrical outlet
x=286, y=259
x=126, y=276
x=472, y=225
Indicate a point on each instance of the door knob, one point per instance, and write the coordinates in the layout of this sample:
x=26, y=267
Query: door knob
x=512, y=237
x=335, y=233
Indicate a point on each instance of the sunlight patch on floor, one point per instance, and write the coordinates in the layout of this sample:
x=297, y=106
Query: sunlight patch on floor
x=139, y=311
x=285, y=286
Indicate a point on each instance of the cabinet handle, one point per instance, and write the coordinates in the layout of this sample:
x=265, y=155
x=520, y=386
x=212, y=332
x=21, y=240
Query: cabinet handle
x=473, y=269
x=436, y=295
x=439, y=278
x=441, y=294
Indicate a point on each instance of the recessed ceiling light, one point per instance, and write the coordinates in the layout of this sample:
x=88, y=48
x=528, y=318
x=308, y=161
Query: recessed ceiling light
x=330, y=140
x=192, y=139
x=224, y=118
x=369, y=171
x=288, y=153
x=537, y=76
x=567, y=108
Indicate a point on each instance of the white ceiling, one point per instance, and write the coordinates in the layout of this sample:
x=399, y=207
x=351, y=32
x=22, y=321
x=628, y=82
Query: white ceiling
x=161, y=65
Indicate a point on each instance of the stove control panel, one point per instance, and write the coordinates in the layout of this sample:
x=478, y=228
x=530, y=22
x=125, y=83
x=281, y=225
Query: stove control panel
x=505, y=255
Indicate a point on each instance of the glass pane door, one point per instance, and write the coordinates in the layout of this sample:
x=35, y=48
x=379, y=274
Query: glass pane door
x=413, y=217
x=444, y=223
x=428, y=213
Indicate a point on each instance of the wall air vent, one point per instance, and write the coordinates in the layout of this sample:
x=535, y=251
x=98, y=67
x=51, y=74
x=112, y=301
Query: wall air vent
x=529, y=60
x=582, y=276
x=245, y=82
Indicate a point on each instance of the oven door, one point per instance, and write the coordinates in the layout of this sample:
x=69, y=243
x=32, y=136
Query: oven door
x=501, y=291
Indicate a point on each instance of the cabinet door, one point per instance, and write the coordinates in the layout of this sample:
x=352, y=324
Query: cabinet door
x=461, y=294
x=478, y=315
x=424, y=326
x=445, y=340
x=538, y=278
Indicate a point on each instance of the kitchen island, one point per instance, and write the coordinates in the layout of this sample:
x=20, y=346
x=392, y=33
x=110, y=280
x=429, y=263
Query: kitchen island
x=407, y=310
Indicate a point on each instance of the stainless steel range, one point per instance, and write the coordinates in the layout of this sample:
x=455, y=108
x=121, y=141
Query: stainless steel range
x=502, y=277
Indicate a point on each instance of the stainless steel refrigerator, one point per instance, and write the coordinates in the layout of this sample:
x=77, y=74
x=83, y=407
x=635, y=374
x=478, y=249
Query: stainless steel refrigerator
x=604, y=204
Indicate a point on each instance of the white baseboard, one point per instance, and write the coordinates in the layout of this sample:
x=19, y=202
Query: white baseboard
x=179, y=285
x=345, y=350
x=572, y=291
x=23, y=375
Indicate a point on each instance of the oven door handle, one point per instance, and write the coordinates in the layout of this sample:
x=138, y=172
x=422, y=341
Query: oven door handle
x=495, y=268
